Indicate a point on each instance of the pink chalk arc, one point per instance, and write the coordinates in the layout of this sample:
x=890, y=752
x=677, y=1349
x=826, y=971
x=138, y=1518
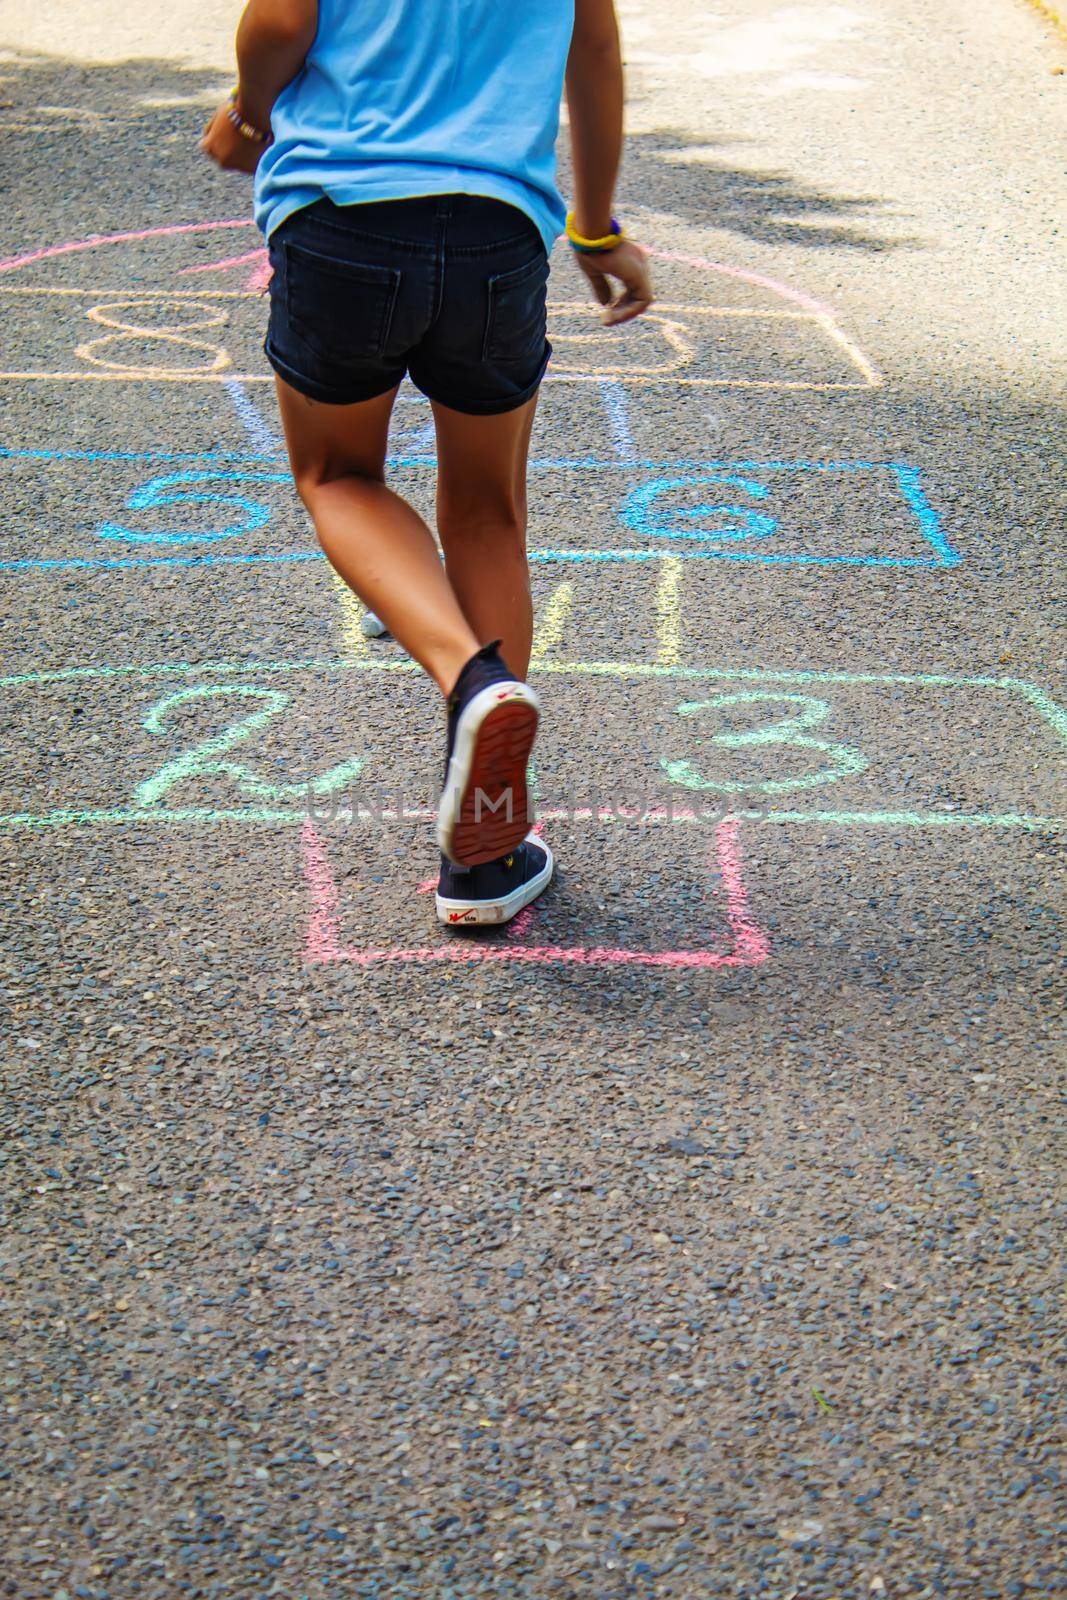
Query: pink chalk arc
x=323, y=947
x=759, y=279
x=13, y=263
x=171, y=230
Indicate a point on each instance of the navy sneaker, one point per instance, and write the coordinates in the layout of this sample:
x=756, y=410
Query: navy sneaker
x=496, y=891
x=484, y=810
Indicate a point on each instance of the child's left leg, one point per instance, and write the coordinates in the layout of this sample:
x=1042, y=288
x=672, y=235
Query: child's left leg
x=385, y=552
x=377, y=542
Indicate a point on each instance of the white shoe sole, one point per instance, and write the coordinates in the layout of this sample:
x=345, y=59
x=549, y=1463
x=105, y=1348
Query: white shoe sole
x=491, y=913
x=484, y=810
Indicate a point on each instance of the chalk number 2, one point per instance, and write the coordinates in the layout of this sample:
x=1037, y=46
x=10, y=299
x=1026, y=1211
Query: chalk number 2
x=202, y=760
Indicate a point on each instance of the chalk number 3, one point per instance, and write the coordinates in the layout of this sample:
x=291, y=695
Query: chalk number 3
x=841, y=760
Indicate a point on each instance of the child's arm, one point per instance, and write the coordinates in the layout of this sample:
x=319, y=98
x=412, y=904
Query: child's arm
x=273, y=40
x=595, y=105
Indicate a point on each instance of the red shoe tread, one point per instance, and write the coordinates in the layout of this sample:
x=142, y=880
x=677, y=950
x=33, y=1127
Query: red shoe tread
x=499, y=761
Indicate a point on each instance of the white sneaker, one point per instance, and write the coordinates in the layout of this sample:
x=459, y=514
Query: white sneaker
x=494, y=892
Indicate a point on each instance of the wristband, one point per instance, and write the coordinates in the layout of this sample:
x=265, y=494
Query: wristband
x=247, y=130
x=610, y=241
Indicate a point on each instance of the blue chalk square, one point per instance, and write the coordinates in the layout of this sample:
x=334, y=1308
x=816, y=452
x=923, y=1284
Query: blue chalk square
x=863, y=513
x=225, y=508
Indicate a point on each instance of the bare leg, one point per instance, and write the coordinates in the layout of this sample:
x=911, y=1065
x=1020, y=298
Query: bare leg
x=481, y=518
x=376, y=541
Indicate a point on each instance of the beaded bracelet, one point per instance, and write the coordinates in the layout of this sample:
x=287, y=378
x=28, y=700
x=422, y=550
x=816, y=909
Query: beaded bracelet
x=610, y=241
x=246, y=129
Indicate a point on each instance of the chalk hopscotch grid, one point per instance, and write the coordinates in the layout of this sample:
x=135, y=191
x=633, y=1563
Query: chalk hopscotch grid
x=749, y=945
x=1031, y=694
x=268, y=452
x=675, y=333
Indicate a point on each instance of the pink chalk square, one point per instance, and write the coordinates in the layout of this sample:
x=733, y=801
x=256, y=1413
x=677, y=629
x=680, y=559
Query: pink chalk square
x=744, y=944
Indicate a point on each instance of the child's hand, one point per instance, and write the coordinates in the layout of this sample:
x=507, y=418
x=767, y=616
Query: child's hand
x=628, y=264
x=227, y=146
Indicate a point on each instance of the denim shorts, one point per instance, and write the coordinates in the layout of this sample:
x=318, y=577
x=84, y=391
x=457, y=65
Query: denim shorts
x=447, y=288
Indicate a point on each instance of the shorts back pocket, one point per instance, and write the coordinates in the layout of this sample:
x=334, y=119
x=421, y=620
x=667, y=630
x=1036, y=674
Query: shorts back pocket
x=517, y=321
x=342, y=310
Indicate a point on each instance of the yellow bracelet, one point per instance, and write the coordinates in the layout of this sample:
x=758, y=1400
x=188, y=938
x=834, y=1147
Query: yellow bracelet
x=608, y=242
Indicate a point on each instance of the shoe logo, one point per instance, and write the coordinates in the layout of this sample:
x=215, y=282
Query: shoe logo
x=461, y=916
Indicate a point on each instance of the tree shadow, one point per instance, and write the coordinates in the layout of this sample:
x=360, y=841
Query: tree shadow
x=771, y=207
x=81, y=128
x=91, y=148
x=676, y=171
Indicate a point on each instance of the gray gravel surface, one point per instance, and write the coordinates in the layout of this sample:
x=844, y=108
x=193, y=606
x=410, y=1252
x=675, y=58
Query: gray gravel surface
x=701, y=1238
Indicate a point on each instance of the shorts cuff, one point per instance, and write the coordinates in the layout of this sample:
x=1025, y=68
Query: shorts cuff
x=323, y=392
x=486, y=408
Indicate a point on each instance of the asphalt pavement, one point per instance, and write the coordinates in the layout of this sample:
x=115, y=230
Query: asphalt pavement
x=700, y=1236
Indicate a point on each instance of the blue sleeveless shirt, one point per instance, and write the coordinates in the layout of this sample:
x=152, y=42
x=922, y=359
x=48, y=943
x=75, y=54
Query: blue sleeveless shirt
x=420, y=97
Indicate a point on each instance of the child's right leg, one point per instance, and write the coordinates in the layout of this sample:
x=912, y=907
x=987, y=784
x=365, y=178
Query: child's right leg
x=481, y=520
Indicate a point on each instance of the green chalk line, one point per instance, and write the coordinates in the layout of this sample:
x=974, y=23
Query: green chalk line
x=1048, y=709
x=177, y=669
x=875, y=819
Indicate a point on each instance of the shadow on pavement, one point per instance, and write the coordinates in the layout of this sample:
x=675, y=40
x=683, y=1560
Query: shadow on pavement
x=50, y=108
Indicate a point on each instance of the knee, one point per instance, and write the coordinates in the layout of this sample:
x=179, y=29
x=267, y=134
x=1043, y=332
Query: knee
x=312, y=480
x=306, y=487
x=501, y=524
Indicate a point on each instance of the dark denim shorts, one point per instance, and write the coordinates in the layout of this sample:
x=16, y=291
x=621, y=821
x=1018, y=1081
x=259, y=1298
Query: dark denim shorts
x=448, y=288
